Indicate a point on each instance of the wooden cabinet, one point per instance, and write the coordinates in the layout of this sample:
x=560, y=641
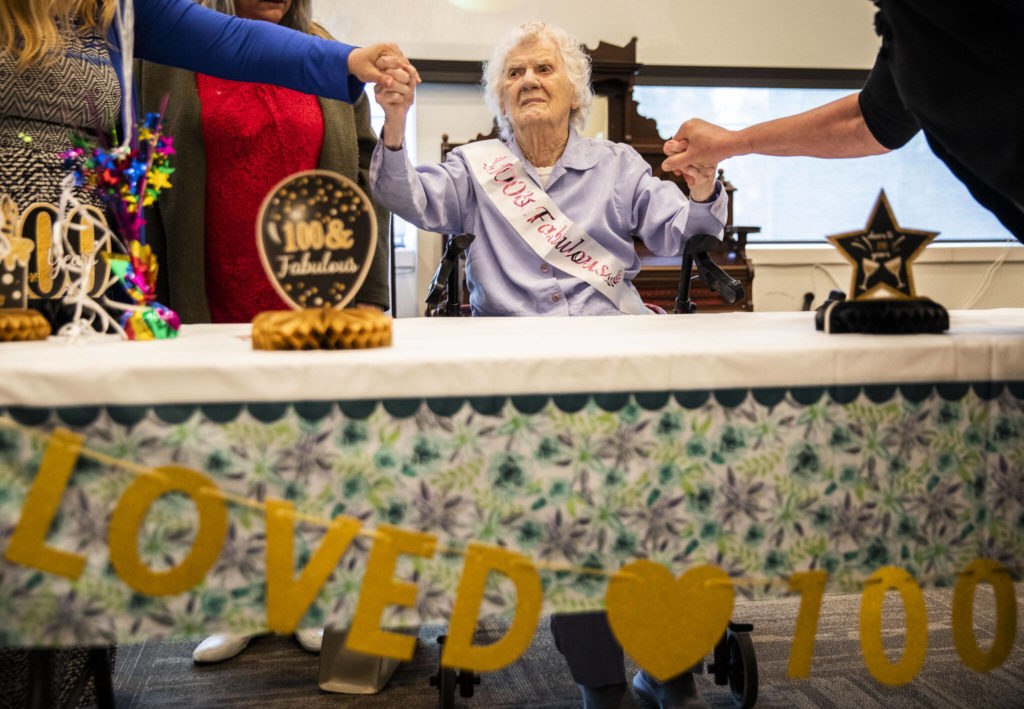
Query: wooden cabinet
x=614, y=72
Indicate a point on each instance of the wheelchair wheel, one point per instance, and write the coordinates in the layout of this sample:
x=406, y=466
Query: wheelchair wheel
x=742, y=669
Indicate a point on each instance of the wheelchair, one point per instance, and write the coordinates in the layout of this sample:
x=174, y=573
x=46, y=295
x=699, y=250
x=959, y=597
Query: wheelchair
x=443, y=297
x=734, y=661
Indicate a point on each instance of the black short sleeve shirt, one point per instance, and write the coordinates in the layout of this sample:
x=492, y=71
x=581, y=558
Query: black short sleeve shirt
x=887, y=118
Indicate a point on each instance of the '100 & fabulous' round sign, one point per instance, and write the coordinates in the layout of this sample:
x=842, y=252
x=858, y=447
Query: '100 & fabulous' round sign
x=316, y=234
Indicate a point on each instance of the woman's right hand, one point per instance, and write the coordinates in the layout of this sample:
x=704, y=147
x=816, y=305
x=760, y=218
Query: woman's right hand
x=396, y=98
x=370, y=64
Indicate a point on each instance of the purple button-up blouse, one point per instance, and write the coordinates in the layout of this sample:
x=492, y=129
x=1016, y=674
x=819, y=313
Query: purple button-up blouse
x=605, y=187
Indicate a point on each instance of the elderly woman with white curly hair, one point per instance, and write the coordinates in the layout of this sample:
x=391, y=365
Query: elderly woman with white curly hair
x=553, y=214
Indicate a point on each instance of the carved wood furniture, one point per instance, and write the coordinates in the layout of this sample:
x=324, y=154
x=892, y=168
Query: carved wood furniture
x=614, y=71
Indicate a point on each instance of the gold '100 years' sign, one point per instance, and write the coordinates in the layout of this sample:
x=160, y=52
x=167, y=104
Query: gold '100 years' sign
x=316, y=234
x=30, y=267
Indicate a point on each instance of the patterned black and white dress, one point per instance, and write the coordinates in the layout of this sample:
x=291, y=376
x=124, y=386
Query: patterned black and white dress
x=41, y=106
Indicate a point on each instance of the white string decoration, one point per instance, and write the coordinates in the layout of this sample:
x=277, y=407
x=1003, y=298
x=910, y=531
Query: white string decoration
x=90, y=316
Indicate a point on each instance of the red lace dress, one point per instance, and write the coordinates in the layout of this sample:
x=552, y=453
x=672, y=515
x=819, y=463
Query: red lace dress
x=255, y=135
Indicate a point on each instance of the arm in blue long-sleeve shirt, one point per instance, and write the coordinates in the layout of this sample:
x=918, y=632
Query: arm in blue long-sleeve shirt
x=185, y=34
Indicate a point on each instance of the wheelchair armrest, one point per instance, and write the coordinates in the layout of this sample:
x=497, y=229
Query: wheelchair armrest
x=449, y=260
x=716, y=280
x=742, y=231
x=701, y=243
x=462, y=241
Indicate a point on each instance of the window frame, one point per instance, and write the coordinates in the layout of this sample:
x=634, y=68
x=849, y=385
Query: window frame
x=469, y=72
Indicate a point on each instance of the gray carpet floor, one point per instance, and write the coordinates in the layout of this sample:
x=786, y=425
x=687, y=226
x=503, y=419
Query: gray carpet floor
x=275, y=673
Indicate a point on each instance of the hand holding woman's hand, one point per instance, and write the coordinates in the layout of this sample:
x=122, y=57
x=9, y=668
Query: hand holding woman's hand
x=370, y=64
x=697, y=142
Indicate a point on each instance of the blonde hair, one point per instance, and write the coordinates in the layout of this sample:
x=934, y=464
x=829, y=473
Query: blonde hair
x=33, y=30
x=575, y=60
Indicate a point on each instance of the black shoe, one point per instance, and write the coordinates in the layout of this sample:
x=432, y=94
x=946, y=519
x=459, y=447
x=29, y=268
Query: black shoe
x=606, y=697
x=678, y=692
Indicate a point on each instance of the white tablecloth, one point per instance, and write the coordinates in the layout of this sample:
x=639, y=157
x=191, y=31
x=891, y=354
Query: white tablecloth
x=434, y=357
x=748, y=464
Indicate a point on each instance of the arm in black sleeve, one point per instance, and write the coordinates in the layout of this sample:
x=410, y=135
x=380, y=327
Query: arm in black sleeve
x=885, y=115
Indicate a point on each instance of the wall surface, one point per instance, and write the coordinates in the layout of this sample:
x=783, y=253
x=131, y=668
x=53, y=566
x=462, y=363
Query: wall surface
x=835, y=34
x=759, y=33
x=967, y=276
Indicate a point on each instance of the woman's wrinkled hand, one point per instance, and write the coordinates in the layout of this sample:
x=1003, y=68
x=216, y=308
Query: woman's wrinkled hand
x=396, y=97
x=701, y=180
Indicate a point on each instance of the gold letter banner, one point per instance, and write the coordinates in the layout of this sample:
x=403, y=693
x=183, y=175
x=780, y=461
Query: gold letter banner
x=667, y=619
x=481, y=560
x=28, y=543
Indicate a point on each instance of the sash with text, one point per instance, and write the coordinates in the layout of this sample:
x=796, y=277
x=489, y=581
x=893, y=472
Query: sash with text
x=541, y=224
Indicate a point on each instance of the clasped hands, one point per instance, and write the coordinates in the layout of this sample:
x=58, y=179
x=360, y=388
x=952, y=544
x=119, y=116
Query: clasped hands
x=394, y=79
x=374, y=64
x=693, y=153
x=395, y=93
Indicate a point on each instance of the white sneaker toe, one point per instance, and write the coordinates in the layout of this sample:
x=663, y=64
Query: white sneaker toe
x=310, y=639
x=219, y=647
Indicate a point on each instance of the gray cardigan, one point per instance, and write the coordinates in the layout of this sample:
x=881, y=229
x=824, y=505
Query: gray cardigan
x=175, y=228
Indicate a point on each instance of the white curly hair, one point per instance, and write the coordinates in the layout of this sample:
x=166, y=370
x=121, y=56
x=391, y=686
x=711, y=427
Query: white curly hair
x=574, y=59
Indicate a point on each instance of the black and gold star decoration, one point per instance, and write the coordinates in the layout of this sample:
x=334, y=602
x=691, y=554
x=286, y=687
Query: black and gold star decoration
x=881, y=254
x=882, y=296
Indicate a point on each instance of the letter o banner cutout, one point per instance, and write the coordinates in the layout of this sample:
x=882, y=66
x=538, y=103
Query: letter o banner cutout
x=132, y=509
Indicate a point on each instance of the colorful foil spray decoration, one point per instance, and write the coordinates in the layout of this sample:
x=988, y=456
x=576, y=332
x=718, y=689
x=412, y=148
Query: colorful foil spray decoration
x=128, y=179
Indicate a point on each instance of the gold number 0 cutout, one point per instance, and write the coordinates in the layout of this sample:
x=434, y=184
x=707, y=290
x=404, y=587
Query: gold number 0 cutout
x=963, y=615
x=899, y=673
